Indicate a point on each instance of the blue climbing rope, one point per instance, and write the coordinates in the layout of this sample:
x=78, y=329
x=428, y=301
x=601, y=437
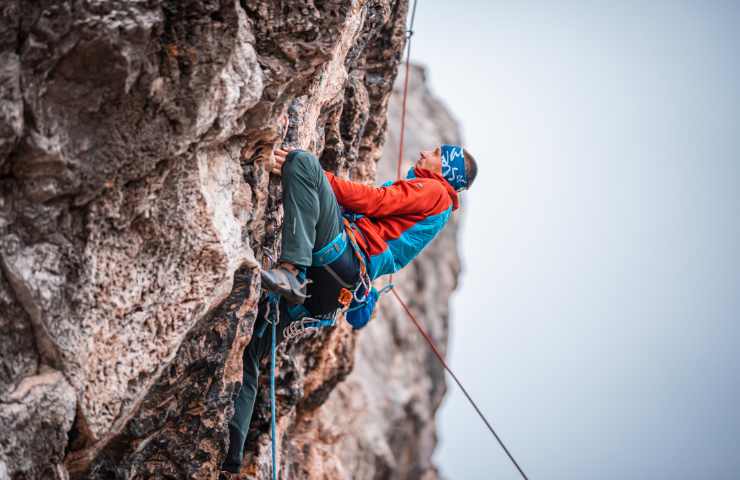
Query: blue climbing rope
x=274, y=306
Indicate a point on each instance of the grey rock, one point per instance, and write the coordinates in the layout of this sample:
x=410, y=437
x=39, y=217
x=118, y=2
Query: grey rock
x=45, y=405
x=135, y=207
x=11, y=104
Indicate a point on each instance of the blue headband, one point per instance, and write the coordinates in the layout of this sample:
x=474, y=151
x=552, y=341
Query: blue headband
x=453, y=166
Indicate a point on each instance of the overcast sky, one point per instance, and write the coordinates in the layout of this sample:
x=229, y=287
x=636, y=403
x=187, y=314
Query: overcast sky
x=597, y=323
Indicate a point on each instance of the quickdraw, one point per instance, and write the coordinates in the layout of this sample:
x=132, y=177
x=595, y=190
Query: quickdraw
x=365, y=282
x=306, y=325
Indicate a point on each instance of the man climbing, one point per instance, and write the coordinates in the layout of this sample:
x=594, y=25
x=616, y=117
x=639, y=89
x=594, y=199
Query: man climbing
x=337, y=237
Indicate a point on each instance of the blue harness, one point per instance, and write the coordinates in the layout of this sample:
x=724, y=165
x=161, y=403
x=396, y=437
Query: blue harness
x=331, y=252
x=303, y=321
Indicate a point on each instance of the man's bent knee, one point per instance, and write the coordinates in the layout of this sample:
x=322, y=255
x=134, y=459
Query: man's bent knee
x=301, y=162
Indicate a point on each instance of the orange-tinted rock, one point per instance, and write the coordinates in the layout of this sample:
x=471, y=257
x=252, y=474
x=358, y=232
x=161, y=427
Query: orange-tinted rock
x=135, y=206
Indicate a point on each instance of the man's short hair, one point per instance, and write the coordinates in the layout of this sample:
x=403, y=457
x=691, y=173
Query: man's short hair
x=471, y=167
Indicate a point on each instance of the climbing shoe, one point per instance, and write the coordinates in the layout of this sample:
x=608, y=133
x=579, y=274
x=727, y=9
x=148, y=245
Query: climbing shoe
x=284, y=283
x=228, y=472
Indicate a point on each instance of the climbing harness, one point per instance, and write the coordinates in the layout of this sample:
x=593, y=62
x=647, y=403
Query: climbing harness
x=365, y=282
x=329, y=259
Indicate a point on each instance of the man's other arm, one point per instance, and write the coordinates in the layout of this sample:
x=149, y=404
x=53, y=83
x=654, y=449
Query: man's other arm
x=401, y=198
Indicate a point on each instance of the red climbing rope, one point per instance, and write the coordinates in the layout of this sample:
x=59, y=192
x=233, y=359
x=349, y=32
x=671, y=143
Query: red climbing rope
x=441, y=358
x=423, y=332
x=409, y=34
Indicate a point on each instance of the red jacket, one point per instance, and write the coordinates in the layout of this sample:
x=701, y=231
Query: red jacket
x=398, y=220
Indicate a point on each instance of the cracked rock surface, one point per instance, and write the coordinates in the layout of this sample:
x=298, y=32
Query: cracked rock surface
x=135, y=207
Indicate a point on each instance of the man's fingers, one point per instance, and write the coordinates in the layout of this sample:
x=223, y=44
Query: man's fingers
x=277, y=163
x=279, y=157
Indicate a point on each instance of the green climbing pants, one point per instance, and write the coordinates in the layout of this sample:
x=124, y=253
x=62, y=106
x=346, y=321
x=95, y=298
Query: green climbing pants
x=311, y=221
x=311, y=212
x=258, y=348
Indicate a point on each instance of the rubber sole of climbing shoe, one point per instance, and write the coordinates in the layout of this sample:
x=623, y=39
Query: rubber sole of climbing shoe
x=285, y=284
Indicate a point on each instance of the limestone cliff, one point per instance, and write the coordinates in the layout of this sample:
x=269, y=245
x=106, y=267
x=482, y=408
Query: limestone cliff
x=135, y=208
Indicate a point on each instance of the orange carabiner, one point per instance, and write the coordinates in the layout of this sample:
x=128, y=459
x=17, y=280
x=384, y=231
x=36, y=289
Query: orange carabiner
x=345, y=297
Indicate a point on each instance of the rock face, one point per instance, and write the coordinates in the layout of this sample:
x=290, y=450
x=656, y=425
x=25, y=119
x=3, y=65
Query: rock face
x=135, y=207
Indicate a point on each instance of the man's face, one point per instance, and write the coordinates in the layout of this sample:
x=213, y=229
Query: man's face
x=430, y=160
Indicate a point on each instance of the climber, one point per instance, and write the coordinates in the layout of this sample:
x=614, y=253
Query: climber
x=337, y=236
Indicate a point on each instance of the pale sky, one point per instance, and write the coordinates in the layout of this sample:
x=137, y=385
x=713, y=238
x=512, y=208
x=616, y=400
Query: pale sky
x=597, y=320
